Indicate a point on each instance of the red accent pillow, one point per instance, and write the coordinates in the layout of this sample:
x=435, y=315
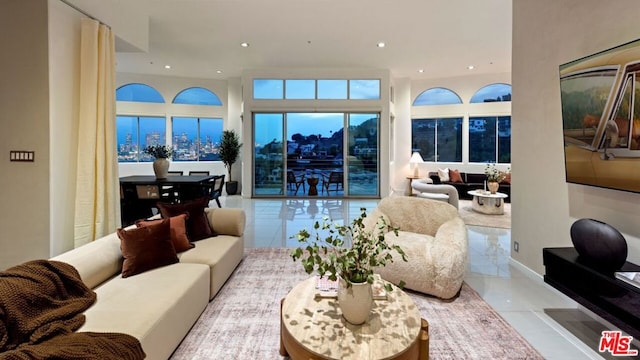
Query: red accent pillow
x=454, y=176
x=177, y=230
x=198, y=227
x=146, y=248
x=507, y=179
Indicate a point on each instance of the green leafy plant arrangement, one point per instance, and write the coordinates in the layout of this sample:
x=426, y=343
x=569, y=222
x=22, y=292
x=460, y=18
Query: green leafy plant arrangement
x=159, y=151
x=229, y=149
x=493, y=174
x=354, y=264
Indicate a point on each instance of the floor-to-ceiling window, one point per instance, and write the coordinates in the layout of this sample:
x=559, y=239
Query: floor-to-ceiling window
x=300, y=154
x=326, y=151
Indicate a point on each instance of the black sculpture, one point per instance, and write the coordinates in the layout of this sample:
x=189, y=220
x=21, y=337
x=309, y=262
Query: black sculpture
x=599, y=244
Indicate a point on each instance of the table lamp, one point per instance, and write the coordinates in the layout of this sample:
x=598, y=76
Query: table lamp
x=414, y=161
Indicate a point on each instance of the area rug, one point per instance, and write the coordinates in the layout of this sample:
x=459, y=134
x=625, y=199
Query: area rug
x=471, y=217
x=242, y=321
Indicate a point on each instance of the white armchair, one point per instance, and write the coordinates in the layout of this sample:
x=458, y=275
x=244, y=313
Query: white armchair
x=443, y=192
x=434, y=238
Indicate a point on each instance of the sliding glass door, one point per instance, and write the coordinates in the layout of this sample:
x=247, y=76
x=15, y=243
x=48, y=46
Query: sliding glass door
x=268, y=158
x=300, y=154
x=363, y=161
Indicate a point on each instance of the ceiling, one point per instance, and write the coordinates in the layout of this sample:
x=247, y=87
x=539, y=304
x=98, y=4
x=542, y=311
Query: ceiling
x=198, y=38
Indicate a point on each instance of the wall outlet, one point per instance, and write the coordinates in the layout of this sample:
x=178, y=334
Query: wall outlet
x=516, y=246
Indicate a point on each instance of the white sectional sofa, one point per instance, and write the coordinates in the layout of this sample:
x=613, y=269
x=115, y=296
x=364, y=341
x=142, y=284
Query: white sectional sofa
x=159, y=306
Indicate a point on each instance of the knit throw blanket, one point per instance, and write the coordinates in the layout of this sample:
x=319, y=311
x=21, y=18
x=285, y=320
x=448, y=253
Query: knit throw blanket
x=41, y=306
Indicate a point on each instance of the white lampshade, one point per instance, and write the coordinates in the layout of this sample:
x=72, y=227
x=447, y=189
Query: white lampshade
x=414, y=161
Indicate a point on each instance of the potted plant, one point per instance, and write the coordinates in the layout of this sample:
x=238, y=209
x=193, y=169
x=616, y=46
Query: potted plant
x=494, y=177
x=353, y=266
x=229, y=151
x=161, y=154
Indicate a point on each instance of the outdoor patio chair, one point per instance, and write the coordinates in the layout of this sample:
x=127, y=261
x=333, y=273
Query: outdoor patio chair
x=334, y=177
x=294, y=181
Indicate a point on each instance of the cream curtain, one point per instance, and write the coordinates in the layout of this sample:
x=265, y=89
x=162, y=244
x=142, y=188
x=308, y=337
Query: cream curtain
x=97, y=209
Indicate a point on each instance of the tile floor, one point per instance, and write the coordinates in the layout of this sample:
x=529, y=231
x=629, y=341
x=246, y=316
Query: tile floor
x=518, y=294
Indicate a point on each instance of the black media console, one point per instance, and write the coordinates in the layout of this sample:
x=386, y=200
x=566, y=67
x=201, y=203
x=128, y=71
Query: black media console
x=599, y=291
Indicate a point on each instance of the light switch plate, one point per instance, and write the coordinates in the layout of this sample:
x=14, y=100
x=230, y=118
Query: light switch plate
x=24, y=156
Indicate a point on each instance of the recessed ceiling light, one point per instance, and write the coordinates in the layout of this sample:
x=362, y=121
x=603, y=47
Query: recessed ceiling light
x=219, y=71
x=420, y=71
x=167, y=66
x=381, y=44
x=471, y=67
x=244, y=44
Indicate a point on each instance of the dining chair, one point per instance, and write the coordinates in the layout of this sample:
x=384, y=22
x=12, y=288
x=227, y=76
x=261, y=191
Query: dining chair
x=168, y=192
x=198, y=172
x=213, y=188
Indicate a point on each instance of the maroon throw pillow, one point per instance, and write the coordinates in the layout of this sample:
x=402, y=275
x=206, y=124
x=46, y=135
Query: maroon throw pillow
x=146, y=248
x=454, y=176
x=198, y=227
x=507, y=179
x=177, y=230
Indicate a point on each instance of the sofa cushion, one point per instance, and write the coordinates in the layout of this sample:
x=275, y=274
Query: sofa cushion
x=96, y=261
x=454, y=176
x=197, y=224
x=146, y=248
x=227, y=221
x=158, y=307
x=221, y=254
x=476, y=178
x=443, y=174
x=177, y=230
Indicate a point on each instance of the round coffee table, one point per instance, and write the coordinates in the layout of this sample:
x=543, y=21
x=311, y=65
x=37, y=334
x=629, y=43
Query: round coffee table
x=313, y=328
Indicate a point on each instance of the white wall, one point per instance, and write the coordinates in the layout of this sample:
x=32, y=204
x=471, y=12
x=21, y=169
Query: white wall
x=547, y=33
x=128, y=21
x=64, y=83
x=24, y=119
x=400, y=137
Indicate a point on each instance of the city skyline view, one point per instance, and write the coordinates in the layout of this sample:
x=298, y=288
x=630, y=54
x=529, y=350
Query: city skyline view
x=192, y=139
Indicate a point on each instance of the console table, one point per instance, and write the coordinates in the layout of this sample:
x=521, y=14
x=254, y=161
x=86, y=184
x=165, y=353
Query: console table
x=140, y=193
x=599, y=291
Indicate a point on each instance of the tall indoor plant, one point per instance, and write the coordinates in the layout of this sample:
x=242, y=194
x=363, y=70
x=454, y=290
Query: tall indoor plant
x=353, y=265
x=161, y=154
x=229, y=151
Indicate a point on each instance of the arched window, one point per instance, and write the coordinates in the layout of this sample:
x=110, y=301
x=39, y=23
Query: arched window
x=437, y=96
x=138, y=93
x=492, y=93
x=197, y=96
